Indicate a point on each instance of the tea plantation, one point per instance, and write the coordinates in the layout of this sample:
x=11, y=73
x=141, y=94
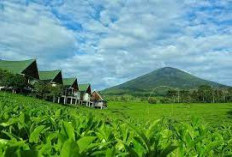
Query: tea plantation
x=31, y=127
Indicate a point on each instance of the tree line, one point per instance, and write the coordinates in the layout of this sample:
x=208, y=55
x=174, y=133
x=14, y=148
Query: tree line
x=203, y=94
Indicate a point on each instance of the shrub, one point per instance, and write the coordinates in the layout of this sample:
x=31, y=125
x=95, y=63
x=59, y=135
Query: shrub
x=152, y=100
x=165, y=100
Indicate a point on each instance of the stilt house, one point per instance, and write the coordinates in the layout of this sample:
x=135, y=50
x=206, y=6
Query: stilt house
x=71, y=94
x=71, y=87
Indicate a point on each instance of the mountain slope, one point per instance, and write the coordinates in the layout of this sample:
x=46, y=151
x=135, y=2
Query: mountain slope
x=168, y=77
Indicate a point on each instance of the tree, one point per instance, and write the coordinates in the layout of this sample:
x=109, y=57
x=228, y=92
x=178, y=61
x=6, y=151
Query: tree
x=185, y=96
x=41, y=89
x=45, y=90
x=174, y=94
x=227, y=94
x=15, y=81
x=205, y=93
x=55, y=91
x=3, y=77
x=218, y=95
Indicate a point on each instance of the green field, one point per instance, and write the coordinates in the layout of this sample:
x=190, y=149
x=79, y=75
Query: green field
x=32, y=127
x=212, y=114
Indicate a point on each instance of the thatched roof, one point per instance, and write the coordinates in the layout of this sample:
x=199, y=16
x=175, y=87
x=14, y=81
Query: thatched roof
x=26, y=67
x=51, y=76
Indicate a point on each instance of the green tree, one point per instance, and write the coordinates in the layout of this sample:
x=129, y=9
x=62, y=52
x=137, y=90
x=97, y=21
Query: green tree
x=41, y=89
x=15, y=81
x=55, y=91
x=174, y=94
x=3, y=77
x=205, y=93
x=218, y=95
x=227, y=94
x=195, y=96
x=185, y=96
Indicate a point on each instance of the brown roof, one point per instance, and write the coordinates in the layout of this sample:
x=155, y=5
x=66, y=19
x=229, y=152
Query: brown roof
x=96, y=96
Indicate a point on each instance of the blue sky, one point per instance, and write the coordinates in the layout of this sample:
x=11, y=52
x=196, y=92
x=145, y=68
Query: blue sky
x=107, y=42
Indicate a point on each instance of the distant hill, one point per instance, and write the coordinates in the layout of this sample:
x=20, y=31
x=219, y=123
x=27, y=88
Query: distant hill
x=168, y=77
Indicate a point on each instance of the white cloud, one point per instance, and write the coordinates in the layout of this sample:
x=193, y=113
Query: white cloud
x=119, y=40
x=32, y=32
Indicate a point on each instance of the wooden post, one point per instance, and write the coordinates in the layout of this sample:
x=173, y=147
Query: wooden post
x=58, y=101
x=76, y=101
x=71, y=101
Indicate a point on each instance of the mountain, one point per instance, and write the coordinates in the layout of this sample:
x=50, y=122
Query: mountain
x=167, y=77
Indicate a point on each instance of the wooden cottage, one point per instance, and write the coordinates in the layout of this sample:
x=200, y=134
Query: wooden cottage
x=54, y=77
x=85, y=92
x=97, y=100
x=71, y=87
x=26, y=68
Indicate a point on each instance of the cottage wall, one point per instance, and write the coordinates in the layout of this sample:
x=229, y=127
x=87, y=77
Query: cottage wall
x=86, y=97
x=77, y=95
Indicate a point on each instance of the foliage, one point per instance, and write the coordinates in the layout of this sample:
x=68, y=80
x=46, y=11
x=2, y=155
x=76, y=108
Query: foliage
x=152, y=100
x=204, y=94
x=41, y=89
x=165, y=100
x=14, y=81
x=55, y=91
x=30, y=127
x=3, y=77
x=45, y=90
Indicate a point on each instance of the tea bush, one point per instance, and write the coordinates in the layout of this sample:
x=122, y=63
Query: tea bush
x=31, y=127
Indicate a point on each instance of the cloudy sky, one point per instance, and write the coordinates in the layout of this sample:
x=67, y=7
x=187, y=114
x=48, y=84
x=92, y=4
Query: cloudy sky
x=107, y=42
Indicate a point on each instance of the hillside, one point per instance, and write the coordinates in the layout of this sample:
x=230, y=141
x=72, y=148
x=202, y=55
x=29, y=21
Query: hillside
x=168, y=77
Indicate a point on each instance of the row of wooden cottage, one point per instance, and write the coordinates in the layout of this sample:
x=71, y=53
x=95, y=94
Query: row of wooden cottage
x=74, y=93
